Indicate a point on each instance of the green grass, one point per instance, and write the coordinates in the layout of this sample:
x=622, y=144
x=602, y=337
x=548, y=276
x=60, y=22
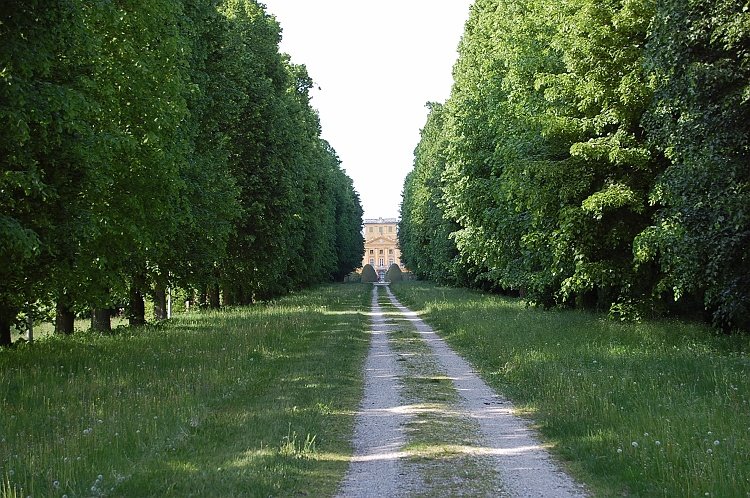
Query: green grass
x=657, y=408
x=252, y=401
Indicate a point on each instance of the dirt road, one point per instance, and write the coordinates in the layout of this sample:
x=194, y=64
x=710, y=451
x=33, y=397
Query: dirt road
x=429, y=426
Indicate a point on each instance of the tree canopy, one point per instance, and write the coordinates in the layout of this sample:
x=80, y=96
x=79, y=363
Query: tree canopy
x=591, y=154
x=158, y=143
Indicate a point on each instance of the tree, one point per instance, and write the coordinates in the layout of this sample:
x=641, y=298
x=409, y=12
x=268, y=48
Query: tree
x=700, y=120
x=424, y=230
x=369, y=274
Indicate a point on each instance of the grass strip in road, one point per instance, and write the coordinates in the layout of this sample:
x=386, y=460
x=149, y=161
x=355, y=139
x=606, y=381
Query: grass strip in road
x=658, y=408
x=254, y=401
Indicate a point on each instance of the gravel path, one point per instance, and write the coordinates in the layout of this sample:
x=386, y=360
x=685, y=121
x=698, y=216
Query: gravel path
x=503, y=444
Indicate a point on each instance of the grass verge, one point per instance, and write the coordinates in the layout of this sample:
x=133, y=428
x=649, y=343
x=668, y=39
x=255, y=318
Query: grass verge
x=641, y=409
x=253, y=401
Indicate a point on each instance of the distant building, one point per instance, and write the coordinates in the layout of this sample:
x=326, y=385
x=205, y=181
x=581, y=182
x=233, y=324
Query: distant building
x=381, y=245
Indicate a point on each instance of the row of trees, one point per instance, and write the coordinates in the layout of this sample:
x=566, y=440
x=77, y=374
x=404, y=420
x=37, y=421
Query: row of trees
x=592, y=153
x=160, y=143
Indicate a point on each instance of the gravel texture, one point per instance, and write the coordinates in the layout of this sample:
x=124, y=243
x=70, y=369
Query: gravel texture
x=380, y=468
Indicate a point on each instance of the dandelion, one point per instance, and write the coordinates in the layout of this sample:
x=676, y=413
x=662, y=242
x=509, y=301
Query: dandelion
x=619, y=450
x=717, y=443
x=55, y=484
x=709, y=451
x=645, y=434
x=634, y=444
x=657, y=442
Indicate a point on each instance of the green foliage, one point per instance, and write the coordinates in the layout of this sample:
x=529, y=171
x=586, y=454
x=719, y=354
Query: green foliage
x=700, y=120
x=368, y=275
x=394, y=273
x=160, y=143
x=424, y=230
x=586, y=156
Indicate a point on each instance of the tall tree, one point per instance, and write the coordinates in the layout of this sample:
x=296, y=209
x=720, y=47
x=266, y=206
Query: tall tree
x=698, y=55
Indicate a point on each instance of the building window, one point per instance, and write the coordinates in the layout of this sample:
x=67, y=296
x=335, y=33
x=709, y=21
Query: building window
x=390, y=229
x=372, y=251
x=381, y=262
x=390, y=251
x=372, y=261
x=380, y=229
x=370, y=229
x=381, y=251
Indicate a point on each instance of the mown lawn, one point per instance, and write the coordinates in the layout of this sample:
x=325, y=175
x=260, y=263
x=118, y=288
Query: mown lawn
x=658, y=408
x=252, y=401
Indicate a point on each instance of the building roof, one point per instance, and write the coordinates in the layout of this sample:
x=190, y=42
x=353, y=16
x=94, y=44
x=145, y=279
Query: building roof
x=378, y=221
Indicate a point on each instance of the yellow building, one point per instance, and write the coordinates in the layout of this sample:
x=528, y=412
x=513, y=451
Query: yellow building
x=381, y=245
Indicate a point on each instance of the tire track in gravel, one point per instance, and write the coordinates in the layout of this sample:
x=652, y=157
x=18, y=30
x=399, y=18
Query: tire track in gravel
x=502, y=451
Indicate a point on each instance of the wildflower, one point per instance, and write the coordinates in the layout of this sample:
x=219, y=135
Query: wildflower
x=619, y=450
x=657, y=442
x=55, y=484
x=709, y=451
x=634, y=444
x=645, y=434
x=717, y=443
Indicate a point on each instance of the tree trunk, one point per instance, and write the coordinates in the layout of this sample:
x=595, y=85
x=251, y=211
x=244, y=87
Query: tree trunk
x=227, y=297
x=203, y=298
x=100, y=320
x=160, y=302
x=214, y=296
x=5, y=339
x=30, y=329
x=64, y=317
x=137, y=314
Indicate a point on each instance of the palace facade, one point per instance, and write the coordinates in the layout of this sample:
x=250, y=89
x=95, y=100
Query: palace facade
x=381, y=244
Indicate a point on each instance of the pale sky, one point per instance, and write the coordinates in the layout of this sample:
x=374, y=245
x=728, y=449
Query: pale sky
x=377, y=64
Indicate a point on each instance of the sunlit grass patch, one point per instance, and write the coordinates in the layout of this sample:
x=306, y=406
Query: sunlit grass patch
x=239, y=402
x=648, y=409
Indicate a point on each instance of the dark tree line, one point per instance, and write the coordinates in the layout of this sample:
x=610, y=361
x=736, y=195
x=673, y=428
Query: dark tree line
x=592, y=154
x=159, y=143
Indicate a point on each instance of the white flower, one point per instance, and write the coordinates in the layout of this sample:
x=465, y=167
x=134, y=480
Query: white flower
x=55, y=484
x=717, y=443
x=634, y=444
x=619, y=450
x=657, y=442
